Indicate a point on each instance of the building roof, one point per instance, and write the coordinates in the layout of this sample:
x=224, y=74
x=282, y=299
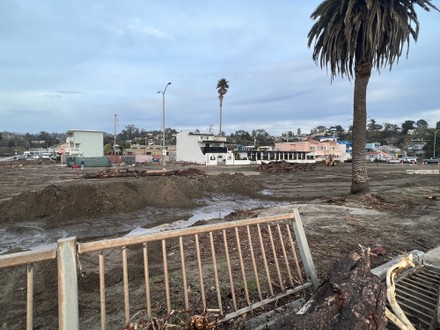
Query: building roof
x=70, y=131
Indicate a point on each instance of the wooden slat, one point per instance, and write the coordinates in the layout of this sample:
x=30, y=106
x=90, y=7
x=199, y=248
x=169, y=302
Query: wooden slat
x=134, y=240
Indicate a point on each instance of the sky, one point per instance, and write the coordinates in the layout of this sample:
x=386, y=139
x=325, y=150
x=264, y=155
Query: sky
x=75, y=64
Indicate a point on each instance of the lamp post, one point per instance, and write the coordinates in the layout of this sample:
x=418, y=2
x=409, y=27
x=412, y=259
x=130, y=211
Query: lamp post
x=435, y=138
x=114, y=134
x=164, y=152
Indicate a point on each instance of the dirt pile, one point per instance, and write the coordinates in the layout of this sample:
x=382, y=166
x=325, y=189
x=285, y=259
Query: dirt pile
x=93, y=198
x=402, y=215
x=285, y=167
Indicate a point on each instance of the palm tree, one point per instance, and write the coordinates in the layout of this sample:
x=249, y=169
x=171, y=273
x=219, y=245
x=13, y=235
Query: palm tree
x=222, y=89
x=353, y=36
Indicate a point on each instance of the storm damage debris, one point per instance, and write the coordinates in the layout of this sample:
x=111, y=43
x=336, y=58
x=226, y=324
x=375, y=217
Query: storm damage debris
x=127, y=172
x=397, y=315
x=350, y=298
x=284, y=167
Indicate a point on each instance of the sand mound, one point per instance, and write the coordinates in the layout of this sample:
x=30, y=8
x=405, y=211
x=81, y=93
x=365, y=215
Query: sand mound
x=93, y=198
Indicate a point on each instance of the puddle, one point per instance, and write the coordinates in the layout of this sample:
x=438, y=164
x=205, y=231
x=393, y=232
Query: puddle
x=266, y=192
x=30, y=235
x=217, y=207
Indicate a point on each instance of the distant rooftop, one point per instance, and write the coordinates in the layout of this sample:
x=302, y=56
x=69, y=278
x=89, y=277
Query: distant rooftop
x=70, y=131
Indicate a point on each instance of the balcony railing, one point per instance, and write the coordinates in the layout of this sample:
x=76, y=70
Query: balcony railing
x=214, y=150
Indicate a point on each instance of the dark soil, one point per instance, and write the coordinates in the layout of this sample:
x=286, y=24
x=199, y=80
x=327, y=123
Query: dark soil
x=402, y=213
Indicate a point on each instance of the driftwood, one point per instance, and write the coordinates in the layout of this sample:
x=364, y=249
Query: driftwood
x=398, y=318
x=351, y=298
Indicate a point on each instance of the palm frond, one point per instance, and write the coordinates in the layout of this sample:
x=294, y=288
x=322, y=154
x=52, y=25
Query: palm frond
x=222, y=87
x=347, y=32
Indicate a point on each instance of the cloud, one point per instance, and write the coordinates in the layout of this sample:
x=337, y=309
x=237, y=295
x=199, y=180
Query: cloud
x=76, y=64
x=69, y=92
x=135, y=28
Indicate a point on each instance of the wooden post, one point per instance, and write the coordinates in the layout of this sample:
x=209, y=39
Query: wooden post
x=68, y=312
x=304, y=250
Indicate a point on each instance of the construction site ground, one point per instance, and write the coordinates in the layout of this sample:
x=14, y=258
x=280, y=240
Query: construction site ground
x=402, y=213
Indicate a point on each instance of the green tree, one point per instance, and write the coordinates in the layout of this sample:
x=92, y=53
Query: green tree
x=339, y=130
x=108, y=149
x=429, y=146
x=46, y=137
x=407, y=125
x=286, y=136
x=321, y=129
x=373, y=126
x=390, y=127
x=261, y=137
x=222, y=89
x=422, y=123
x=242, y=137
x=351, y=37
x=421, y=129
x=129, y=133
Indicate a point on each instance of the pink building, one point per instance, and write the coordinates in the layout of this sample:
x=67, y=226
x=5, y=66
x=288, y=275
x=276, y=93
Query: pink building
x=320, y=150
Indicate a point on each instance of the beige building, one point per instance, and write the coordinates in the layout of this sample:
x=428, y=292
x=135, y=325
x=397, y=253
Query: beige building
x=150, y=153
x=84, y=143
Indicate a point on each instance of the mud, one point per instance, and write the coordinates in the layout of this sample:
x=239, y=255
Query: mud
x=402, y=214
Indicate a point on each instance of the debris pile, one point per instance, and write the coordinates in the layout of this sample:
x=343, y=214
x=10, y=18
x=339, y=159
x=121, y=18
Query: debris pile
x=127, y=172
x=284, y=167
x=350, y=298
x=190, y=172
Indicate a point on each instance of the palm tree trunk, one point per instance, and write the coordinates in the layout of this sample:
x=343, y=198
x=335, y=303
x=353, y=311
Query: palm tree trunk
x=221, y=104
x=359, y=184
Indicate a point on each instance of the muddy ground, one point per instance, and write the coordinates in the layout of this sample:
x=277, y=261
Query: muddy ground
x=402, y=214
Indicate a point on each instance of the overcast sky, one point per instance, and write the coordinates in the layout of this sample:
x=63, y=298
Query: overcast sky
x=74, y=64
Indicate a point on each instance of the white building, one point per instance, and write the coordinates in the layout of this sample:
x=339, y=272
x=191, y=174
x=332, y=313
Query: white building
x=372, y=146
x=200, y=148
x=84, y=143
x=416, y=147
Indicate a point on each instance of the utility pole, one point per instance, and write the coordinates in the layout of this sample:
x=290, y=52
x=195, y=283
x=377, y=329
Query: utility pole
x=114, y=134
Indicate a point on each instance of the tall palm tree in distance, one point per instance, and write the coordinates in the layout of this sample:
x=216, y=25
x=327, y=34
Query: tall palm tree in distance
x=353, y=36
x=222, y=89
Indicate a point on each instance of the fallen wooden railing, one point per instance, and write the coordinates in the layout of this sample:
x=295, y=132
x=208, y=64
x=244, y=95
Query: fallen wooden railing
x=223, y=269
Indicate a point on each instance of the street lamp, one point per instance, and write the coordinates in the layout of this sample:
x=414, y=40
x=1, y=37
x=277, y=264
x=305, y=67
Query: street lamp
x=114, y=134
x=164, y=152
x=435, y=138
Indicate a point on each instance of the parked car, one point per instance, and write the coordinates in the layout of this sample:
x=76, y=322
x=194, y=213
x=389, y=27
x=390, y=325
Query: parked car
x=431, y=161
x=409, y=160
x=393, y=161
